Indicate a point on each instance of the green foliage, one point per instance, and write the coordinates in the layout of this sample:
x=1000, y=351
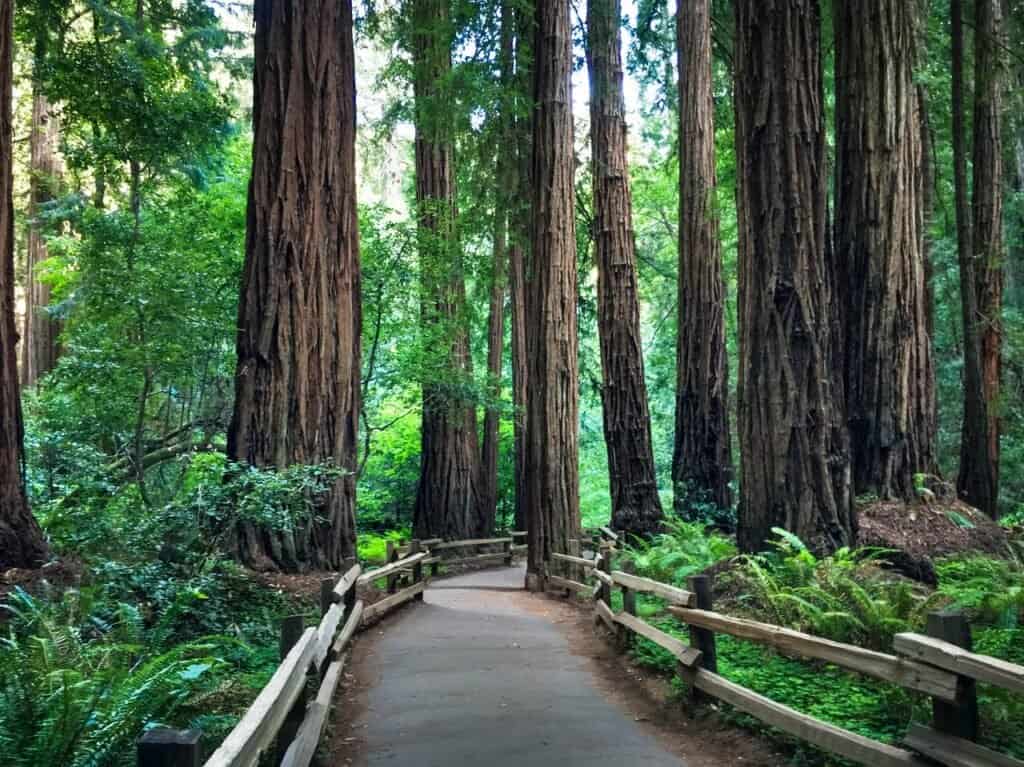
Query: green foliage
x=844, y=596
x=78, y=685
x=683, y=549
x=990, y=589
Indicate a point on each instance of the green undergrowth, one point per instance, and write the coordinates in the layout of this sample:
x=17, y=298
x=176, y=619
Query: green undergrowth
x=847, y=597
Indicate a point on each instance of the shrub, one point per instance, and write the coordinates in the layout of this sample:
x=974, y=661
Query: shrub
x=683, y=549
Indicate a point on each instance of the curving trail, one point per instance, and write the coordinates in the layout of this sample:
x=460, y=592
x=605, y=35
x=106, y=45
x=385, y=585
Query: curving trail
x=481, y=674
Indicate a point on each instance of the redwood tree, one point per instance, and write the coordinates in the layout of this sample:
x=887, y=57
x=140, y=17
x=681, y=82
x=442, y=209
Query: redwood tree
x=552, y=439
x=981, y=257
x=447, y=498
x=298, y=380
x=519, y=240
x=702, y=459
x=39, y=342
x=636, y=507
x=505, y=173
x=879, y=248
x=794, y=455
x=21, y=540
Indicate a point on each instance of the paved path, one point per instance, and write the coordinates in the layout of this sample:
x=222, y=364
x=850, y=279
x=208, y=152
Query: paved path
x=481, y=675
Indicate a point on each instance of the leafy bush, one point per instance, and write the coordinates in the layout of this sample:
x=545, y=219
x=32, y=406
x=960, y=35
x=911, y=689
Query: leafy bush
x=78, y=685
x=990, y=589
x=844, y=596
x=683, y=549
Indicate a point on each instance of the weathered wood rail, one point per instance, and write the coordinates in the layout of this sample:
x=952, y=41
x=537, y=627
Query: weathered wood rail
x=314, y=657
x=940, y=664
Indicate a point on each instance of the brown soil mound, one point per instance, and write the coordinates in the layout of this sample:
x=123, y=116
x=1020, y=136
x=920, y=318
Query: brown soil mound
x=918, y=533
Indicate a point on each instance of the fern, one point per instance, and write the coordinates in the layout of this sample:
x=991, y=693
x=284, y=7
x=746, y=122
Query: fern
x=80, y=694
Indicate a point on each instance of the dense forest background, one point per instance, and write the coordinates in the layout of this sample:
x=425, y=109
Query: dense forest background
x=132, y=154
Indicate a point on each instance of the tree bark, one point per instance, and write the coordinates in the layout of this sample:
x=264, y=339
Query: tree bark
x=297, y=386
x=636, y=507
x=21, y=540
x=505, y=173
x=978, y=482
x=889, y=375
x=795, y=469
x=448, y=496
x=39, y=345
x=702, y=458
x=519, y=243
x=552, y=432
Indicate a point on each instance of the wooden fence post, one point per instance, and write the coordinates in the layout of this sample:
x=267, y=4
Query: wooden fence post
x=291, y=631
x=703, y=639
x=628, y=607
x=960, y=718
x=507, y=548
x=163, y=747
x=326, y=595
x=574, y=572
x=417, y=569
x=392, y=556
x=605, y=566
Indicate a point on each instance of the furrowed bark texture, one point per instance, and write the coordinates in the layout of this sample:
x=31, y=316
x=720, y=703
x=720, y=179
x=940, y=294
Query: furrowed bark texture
x=39, y=348
x=21, y=540
x=702, y=458
x=552, y=449
x=794, y=460
x=505, y=175
x=519, y=243
x=298, y=382
x=447, y=498
x=636, y=507
x=979, y=455
x=889, y=375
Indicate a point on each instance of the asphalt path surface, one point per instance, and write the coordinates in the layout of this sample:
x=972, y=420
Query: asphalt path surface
x=480, y=674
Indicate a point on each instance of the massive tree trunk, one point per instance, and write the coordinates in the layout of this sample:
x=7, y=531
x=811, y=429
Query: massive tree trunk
x=889, y=376
x=702, y=458
x=297, y=386
x=636, y=507
x=505, y=173
x=979, y=454
x=447, y=499
x=21, y=540
x=552, y=432
x=519, y=241
x=794, y=455
x=39, y=343
x=977, y=482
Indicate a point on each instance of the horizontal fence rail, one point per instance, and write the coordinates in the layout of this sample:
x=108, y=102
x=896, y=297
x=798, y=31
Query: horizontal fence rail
x=939, y=664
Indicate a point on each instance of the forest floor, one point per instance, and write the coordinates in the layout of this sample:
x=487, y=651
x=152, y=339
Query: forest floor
x=484, y=672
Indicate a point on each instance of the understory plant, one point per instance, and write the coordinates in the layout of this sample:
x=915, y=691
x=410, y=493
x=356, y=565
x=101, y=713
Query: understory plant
x=844, y=596
x=681, y=550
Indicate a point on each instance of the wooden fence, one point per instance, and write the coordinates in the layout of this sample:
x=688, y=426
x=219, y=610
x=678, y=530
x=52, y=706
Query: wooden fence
x=939, y=664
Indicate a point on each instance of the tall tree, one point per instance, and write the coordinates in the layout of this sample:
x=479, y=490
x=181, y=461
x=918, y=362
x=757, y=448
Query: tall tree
x=978, y=483
x=297, y=384
x=39, y=341
x=505, y=174
x=519, y=239
x=447, y=498
x=21, y=540
x=794, y=455
x=702, y=459
x=889, y=376
x=552, y=430
x=636, y=507
x=979, y=244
